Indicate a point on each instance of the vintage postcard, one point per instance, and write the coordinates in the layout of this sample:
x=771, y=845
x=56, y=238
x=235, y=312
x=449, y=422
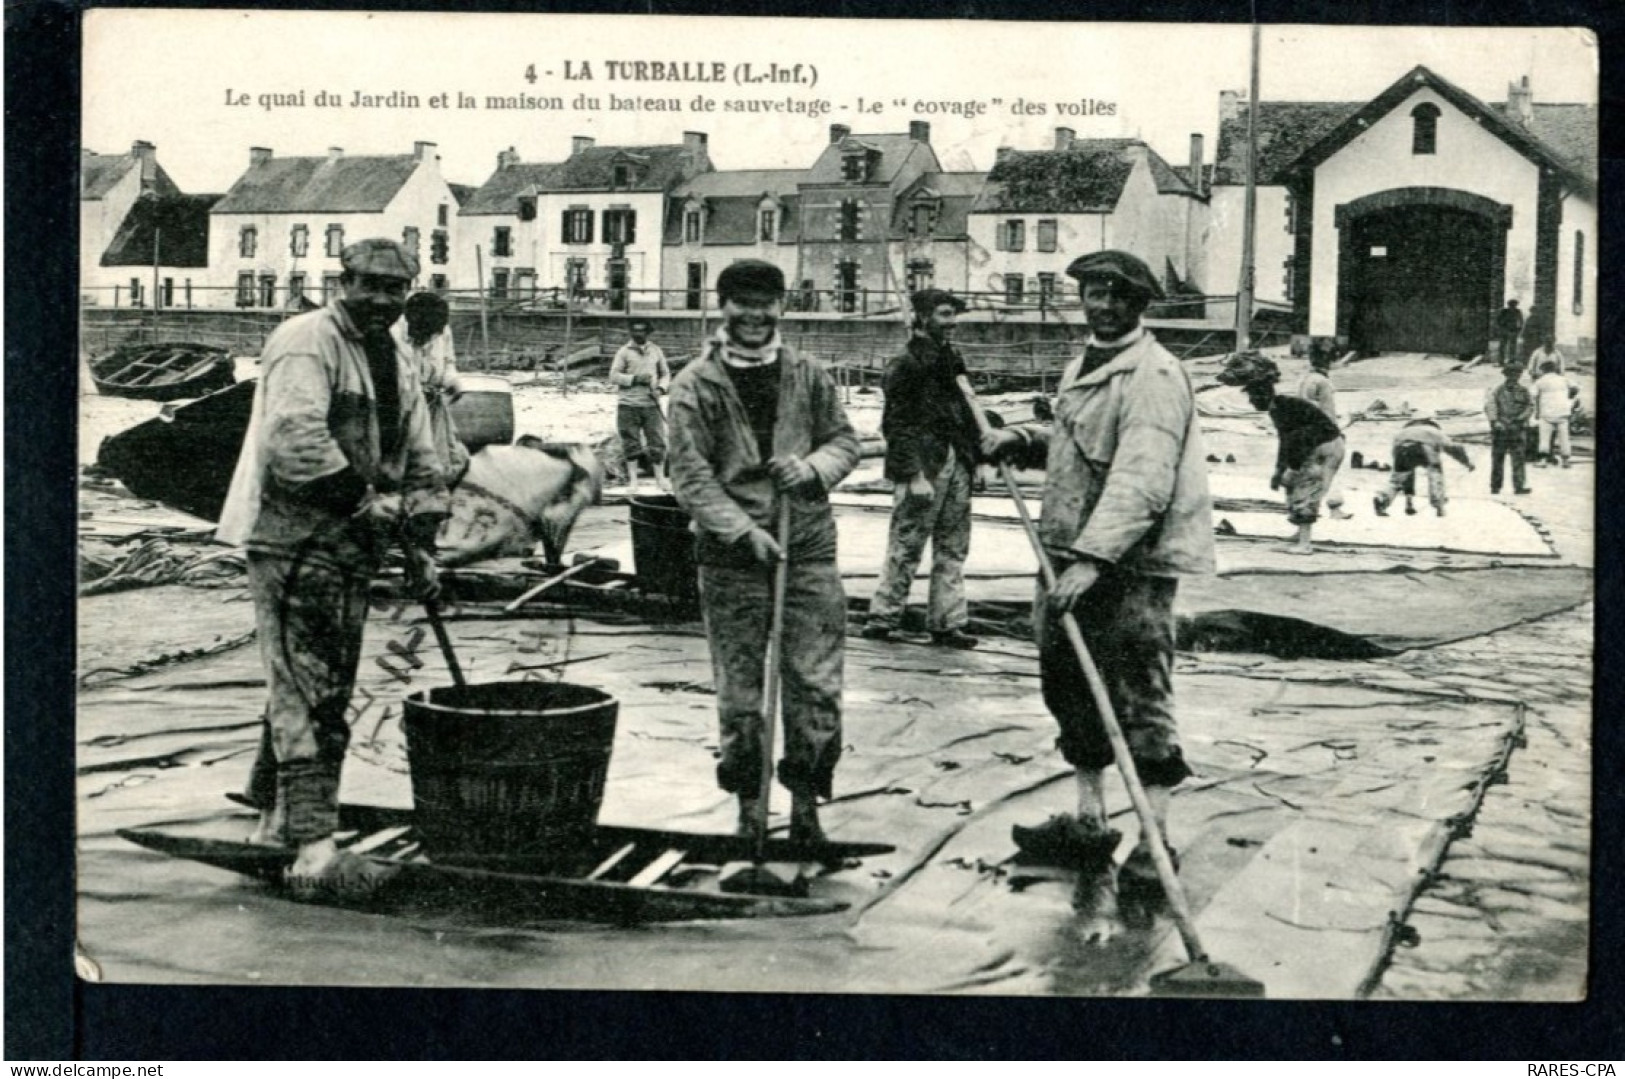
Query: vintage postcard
x=562, y=498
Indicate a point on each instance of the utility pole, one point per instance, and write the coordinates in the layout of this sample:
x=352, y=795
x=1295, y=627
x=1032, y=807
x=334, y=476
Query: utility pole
x=1249, y=214
x=157, y=296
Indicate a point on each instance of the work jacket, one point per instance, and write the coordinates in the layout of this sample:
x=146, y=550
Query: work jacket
x=1509, y=407
x=1126, y=480
x=314, y=434
x=717, y=472
x=926, y=416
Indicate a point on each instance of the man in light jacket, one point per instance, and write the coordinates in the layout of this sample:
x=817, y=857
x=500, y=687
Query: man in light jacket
x=752, y=424
x=640, y=374
x=338, y=466
x=1126, y=513
x=1554, y=404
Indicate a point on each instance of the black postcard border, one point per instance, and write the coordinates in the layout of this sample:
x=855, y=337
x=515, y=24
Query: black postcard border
x=50, y=1015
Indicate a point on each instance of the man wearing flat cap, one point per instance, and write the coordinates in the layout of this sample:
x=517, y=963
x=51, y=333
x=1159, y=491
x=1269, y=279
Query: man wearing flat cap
x=339, y=465
x=753, y=424
x=931, y=454
x=1126, y=513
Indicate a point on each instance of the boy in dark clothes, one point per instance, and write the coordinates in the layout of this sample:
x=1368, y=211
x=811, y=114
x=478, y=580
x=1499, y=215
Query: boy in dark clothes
x=1311, y=446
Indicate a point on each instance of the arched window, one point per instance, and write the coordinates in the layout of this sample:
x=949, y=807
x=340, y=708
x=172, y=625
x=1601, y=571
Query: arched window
x=1425, y=129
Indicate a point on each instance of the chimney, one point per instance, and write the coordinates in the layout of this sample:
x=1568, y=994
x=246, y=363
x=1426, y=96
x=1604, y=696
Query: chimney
x=334, y=153
x=580, y=143
x=508, y=157
x=1229, y=105
x=1064, y=137
x=837, y=132
x=919, y=131
x=258, y=155
x=694, y=142
x=422, y=151
x=146, y=153
x=1196, y=164
x=1521, y=102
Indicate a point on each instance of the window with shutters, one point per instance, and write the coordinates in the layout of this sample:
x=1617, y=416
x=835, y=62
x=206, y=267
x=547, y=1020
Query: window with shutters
x=330, y=287
x=1012, y=236
x=1579, y=272
x=335, y=241
x=166, y=294
x=920, y=221
x=853, y=168
x=575, y=275
x=1047, y=230
x=922, y=273
x=299, y=241
x=245, y=290
x=1288, y=280
x=247, y=241
x=499, y=283
x=846, y=286
x=1046, y=288
x=438, y=282
x=267, y=290
x=1013, y=287
x=135, y=291
x=296, y=286
x=577, y=226
x=1425, y=128
x=767, y=225
x=691, y=227
x=849, y=226
x=501, y=241
x=620, y=226
x=410, y=240
x=439, y=247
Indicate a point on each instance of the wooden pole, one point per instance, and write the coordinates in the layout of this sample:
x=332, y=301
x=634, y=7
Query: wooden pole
x=1249, y=213
x=485, y=333
x=157, y=297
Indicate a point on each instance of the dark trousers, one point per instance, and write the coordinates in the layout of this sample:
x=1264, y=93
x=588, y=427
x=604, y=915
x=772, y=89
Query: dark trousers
x=1504, y=444
x=643, y=437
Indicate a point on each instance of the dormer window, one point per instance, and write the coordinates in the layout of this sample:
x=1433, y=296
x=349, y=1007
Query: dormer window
x=1425, y=128
x=247, y=241
x=691, y=226
x=856, y=167
x=767, y=225
x=621, y=176
x=527, y=208
x=921, y=224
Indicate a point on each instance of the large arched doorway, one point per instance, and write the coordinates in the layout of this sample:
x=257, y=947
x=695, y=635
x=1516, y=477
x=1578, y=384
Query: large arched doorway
x=1420, y=270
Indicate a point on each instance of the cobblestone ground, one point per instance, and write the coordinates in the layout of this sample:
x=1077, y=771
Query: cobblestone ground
x=1508, y=916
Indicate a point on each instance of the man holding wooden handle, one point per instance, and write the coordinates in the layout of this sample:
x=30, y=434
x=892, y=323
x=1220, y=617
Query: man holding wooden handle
x=1126, y=513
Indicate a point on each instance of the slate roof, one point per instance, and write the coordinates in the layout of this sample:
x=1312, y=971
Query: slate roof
x=957, y=191
x=1285, y=130
x=1086, y=178
x=895, y=151
x=100, y=173
x=180, y=224
x=1294, y=133
x=732, y=198
x=358, y=184
x=654, y=168
x=500, y=193
x=462, y=192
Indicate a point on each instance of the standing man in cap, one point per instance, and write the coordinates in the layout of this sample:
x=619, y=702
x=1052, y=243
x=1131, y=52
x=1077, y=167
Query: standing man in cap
x=753, y=423
x=338, y=466
x=931, y=456
x=1126, y=514
x=1508, y=327
x=1509, y=408
x=424, y=338
x=640, y=374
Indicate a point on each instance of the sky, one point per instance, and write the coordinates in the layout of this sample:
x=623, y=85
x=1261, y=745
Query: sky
x=193, y=82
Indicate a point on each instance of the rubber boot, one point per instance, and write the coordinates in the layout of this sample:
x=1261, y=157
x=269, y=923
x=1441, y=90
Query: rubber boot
x=748, y=808
x=804, y=826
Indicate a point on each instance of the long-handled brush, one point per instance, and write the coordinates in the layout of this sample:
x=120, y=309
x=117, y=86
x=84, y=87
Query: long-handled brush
x=759, y=875
x=1201, y=977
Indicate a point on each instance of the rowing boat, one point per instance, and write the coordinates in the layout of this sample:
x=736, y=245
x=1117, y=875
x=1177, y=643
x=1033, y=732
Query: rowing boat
x=167, y=371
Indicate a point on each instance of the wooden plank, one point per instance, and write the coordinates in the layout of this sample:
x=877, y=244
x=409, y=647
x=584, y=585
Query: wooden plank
x=658, y=868
x=612, y=861
x=379, y=839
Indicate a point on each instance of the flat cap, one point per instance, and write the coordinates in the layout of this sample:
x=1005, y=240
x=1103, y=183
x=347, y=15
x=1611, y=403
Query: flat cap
x=1116, y=266
x=750, y=275
x=382, y=258
x=928, y=300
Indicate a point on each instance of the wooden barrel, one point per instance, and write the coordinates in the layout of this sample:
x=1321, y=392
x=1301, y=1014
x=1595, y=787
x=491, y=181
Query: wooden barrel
x=483, y=415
